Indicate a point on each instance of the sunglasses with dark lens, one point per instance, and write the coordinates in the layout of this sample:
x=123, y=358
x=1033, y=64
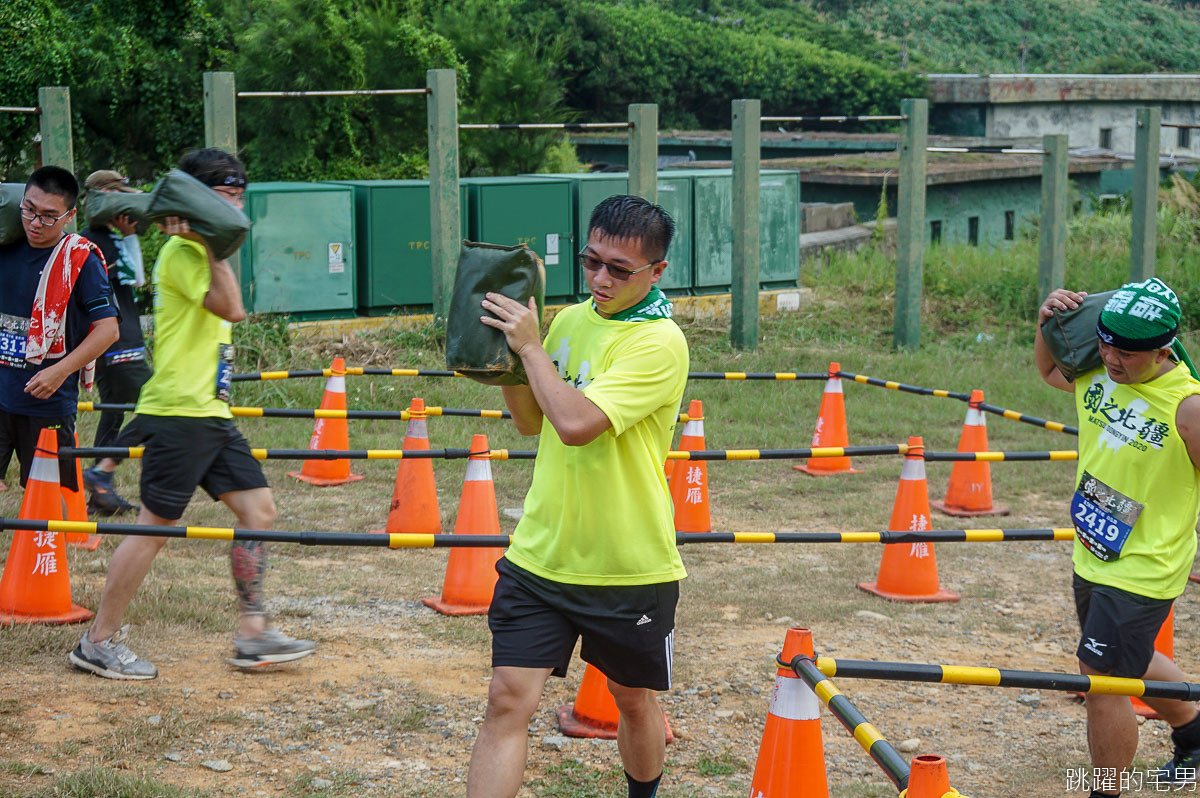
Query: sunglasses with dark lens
x=46, y=220
x=616, y=272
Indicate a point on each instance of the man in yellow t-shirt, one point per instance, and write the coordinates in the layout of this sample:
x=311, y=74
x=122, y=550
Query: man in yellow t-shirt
x=594, y=554
x=184, y=420
x=1135, y=512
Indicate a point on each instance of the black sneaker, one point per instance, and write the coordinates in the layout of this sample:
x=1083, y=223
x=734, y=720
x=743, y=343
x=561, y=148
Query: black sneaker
x=1182, y=767
x=103, y=498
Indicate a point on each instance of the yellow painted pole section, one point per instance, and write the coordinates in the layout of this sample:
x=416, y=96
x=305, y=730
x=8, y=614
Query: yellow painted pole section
x=209, y=533
x=753, y=537
x=397, y=540
x=1112, y=685
x=959, y=674
x=860, y=537
x=867, y=735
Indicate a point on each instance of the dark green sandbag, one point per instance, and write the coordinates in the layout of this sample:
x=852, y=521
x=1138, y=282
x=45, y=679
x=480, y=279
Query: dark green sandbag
x=210, y=216
x=1070, y=336
x=11, y=230
x=102, y=206
x=473, y=348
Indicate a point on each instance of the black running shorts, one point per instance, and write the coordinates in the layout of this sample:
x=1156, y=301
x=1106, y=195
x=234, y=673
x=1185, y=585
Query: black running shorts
x=628, y=631
x=1118, y=628
x=20, y=434
x=183, y=453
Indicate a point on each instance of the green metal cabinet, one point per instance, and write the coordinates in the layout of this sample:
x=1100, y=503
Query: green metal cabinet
x=528, y=210
x=395, y=266
x=674, y=195
x=779, y=225
x=299, y=256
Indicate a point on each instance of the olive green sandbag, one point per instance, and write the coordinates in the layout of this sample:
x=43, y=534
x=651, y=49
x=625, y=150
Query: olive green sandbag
x=102, y=206
x=11, y=229
x=210, y=216
x=473, y=348
x=1070, y=335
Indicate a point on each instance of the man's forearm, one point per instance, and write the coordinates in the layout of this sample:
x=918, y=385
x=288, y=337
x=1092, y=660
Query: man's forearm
x=224, y=297
x=522, y=404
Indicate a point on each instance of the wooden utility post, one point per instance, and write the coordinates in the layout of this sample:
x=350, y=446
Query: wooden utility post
x=643, y=151
x=910, y=224
x=1052, y=231
x=1145, y=194
x=444, y=210
x=58, y=149
x=747, y=234
x=220, y=111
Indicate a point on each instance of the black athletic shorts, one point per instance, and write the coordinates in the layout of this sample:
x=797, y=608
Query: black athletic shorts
x=1118, y=628
x=20, y=434
x=183, y=453
x=628, y=631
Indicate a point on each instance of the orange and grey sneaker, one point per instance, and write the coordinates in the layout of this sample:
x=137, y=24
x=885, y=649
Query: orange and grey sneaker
x=269, y=648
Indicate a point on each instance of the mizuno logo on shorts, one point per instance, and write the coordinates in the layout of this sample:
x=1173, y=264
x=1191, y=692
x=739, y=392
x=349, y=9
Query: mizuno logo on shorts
x=1094, y=646
x=643, y=619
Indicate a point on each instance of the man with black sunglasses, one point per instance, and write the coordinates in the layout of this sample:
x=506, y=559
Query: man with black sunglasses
x=56, y=317
x=594, y=555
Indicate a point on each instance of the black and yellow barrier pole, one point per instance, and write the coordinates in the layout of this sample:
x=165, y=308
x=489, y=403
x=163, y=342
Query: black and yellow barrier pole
x=781, y=376
x=962, y=397
x=136, y=452
x=315, y=538
x=1002, y=677
x=863, y=732
x=352, y=371
x=289, y=412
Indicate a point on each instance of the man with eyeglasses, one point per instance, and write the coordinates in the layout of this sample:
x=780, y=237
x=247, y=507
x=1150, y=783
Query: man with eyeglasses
x=594, y=555
x=56, y=317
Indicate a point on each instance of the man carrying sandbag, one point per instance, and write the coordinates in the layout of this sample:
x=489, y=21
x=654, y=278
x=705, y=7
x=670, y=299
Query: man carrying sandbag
x=56, y=317
x=1135, y=509
x=594, y=555
x=123, y=368
x=184, y=419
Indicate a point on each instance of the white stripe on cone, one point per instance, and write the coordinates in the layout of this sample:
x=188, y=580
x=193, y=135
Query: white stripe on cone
x=975, y=418
x=793, y=699
x=44, y=469
x=336, y=385
x=478, y=471
x=833, y=385
x=694, y=428
x=913, y=469
x=417, y=428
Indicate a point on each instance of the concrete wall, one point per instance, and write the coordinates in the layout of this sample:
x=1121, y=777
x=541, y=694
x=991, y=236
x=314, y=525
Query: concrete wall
x=1082, y=122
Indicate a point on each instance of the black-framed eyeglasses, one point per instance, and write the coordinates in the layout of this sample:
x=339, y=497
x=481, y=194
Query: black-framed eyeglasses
x=593, y=264
x=46, y=220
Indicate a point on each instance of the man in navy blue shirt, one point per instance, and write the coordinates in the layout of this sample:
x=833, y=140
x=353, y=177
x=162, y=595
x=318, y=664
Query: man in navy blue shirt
x=43, y=396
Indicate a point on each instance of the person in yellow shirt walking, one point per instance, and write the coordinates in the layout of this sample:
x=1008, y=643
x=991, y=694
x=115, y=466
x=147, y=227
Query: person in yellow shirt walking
x=183, y=417
x=594, y=554
x=1134, y=509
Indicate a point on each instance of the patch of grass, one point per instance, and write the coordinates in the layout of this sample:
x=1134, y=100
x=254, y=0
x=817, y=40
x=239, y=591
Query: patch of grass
x=108, y=782
x=343, y=783
x=14, y=768
x=723, y=764
x=412, y=719
x=574, y=779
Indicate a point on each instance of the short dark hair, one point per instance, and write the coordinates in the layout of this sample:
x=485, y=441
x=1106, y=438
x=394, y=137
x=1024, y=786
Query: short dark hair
x=57, y=181
x=630, y=218
x=214, y=167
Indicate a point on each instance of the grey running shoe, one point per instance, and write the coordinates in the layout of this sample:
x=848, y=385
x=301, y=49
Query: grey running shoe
x=270, y=647
x=111, y=658
x=103, y=498
x=1182, y=768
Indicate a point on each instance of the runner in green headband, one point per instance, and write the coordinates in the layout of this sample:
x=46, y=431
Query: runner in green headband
x=1143, y=317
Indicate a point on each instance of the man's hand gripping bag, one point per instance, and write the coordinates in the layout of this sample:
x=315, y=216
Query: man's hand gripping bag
x=1070, y=336
x=472, y=348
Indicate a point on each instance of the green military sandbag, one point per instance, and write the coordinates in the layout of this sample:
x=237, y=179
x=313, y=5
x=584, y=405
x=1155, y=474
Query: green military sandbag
x=1070, y=336
x=102, y=206
x=11, y=229
x=210, y=216
x=473, y=348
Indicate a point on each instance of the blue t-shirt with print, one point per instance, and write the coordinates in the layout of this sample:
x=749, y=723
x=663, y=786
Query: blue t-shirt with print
x=91, y=300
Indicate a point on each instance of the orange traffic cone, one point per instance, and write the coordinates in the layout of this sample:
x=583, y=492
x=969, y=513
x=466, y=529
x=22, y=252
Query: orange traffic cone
x=689, y=483
x=595, y=713
x=471, y=572
x=927, y=778
x=791, y=756
x=970, y=491
x=908, y=571
x=414, y=500
x=35, y=587
x=330, y=433
x=830, y=430
x=1164, y=643
x=77, y=508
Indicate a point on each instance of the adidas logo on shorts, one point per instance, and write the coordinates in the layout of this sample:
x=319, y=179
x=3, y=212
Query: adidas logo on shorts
x=643, y=619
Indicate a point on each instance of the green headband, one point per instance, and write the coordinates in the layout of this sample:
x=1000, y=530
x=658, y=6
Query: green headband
x=1143, y=316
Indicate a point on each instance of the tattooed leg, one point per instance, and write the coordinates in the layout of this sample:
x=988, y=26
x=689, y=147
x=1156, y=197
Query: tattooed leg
x=249, y=561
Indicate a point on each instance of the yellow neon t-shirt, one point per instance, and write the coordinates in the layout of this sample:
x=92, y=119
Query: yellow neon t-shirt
x=193, y=353
x=1128, y=442
x=601, y=514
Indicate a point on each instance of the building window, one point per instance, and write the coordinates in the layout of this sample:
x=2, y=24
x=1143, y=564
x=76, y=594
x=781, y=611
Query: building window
x=1106, y=138
x=1184, y=140
x=973, y=231
x=1010, y=225
x=935, y=232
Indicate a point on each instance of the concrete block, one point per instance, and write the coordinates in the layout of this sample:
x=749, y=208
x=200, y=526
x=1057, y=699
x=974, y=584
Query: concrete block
x=818, y=217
